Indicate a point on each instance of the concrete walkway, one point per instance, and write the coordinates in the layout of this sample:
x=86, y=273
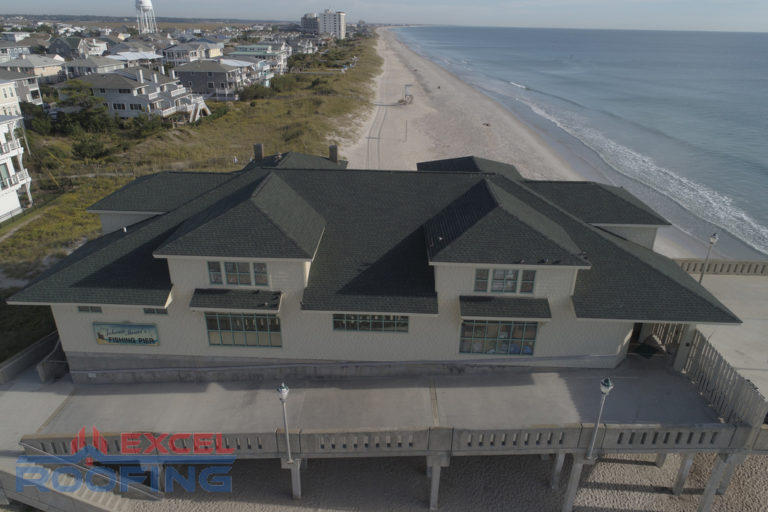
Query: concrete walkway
x=744, y=346
x=647, y=391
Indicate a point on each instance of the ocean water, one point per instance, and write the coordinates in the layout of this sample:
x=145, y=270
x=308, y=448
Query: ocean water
x=678, y=118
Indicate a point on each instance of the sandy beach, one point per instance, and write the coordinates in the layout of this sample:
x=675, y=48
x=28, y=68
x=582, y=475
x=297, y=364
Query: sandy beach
x=448, y=118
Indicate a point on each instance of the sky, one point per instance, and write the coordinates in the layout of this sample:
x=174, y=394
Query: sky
x=721, y=15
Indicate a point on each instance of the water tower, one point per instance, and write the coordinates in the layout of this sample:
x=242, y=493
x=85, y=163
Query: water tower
x=145, y=16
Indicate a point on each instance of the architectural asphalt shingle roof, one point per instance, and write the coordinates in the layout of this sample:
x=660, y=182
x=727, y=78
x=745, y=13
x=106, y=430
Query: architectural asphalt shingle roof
x=271, y=221
x=596, y=203
x=504, y=307
x=239, y=300
x=487, y=225
x=293, y=160
x=372, y=255
x=204, y=66
x=470, y=164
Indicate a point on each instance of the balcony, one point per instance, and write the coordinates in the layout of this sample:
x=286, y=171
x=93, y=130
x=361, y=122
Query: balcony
x=9, y=146
x=15, y=180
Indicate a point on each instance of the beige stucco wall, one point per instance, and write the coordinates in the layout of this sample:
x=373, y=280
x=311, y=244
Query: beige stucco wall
x=307, y=335
x=641, y=235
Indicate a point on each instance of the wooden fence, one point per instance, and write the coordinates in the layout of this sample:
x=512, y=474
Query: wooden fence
x=734, y=397
x=725, y=267
x=668, y=335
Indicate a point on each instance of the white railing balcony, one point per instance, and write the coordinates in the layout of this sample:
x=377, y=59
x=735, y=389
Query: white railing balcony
x=20, y=178
x=9, y=146
x=178, y=92
x=153, y=95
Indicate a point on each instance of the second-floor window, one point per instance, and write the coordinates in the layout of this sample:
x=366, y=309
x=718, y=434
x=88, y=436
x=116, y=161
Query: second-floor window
x=124, y=91
x=214, y=272
x=238, y=272
x=118, y=106
x=504, y=280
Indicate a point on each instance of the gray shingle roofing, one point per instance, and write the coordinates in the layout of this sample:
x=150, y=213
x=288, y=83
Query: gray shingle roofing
x=372, y=255
x=204, y=66
x=109, y=81
x=240, y=300
x=487, y=225
x=626, y=280
x=293, y=160
x=504, y=307
x=470, y=164
x=596, y=203
x=268, y=221
x=162, y=192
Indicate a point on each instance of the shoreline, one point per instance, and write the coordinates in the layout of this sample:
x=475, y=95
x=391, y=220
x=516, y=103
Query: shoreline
x=451, y=118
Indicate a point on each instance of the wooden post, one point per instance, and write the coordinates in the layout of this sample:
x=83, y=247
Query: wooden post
x=434, y=465
x=728, y=474
x=661, y=458
x=295, y=467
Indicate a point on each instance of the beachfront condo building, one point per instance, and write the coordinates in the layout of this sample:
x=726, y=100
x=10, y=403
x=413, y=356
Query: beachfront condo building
x=295, y=260
x=334, y=23
x=13, y=176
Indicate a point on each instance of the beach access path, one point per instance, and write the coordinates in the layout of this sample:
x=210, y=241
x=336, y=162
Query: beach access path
x=448, y=118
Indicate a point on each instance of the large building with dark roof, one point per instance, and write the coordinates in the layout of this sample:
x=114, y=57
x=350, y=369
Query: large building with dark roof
x=296, y=261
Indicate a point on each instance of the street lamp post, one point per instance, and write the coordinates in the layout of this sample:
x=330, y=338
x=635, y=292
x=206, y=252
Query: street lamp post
x=282, y=391
x=712, y=241
x=605, y=388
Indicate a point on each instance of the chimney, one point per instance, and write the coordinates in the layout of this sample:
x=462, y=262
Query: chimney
x=141, y=76
x=154, y=77
x=258, y=152
x=173, y=74
x=333, y=153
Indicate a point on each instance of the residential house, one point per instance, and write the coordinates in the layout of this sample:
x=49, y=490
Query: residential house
x=212, y=79
x=10, y=50
x=304, y=46
x=133, y=91
x=255, y=71
x=14, y=36
x=464, y=262
x=150, y=60
x=189, y=52
x=27, y=88
x=46, y=69
x=131, y=45
x=76, y=47
x=91, y=65
x=13, y=175
x=276, y=53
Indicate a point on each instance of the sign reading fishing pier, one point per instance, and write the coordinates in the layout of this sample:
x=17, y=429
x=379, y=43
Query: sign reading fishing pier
x=126, y=334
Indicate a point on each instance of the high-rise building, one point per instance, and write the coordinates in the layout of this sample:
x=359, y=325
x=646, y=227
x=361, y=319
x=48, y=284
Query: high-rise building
x=309, y=23
x=334, y=23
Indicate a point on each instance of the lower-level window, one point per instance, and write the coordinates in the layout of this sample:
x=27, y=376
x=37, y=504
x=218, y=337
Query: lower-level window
x=357, y=322
x=243, y=329
x=495, y=337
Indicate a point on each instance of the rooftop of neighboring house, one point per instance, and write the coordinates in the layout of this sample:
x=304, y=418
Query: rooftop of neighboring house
x=32, y=61
x=372, y=237
x=204, y=66
x=93, y=61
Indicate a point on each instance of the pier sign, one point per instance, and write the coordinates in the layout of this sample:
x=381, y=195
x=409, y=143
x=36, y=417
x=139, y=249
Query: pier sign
x=126, y=334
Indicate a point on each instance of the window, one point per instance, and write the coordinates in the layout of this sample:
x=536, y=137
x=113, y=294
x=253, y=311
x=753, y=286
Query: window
x=238, y=273
x=481, y=280
x=505, y=280
x=260, y=276
x=362, y=322
x=118, y=106
x=89, y=309
x=155, y=311
x=526, y=283
x=243, y=329
x=136, y=106
x=210, y=85
x=124, y=91
x=214, y=272
x=497, y=337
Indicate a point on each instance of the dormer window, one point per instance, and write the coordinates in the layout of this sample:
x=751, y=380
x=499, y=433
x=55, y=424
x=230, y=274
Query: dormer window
x=214, y=272
x=504, y=280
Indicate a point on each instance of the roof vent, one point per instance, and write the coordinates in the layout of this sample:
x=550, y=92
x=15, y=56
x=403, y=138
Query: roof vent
x=125, y=229
x=333, y=153
x=258, y=152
